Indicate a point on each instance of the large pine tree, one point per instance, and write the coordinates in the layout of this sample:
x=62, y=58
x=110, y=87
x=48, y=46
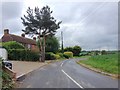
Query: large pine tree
x=39, y=22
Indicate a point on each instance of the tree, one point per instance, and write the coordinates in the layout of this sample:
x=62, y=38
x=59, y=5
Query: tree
x=103, y=52
x=52, y=44
x=41, y=23
x=69, y=49
x=76, y=50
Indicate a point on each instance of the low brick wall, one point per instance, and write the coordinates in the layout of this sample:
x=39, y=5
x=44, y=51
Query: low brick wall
x=10, y=72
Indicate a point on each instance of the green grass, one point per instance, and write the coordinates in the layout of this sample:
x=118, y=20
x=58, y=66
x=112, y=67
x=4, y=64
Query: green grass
x=107, y=63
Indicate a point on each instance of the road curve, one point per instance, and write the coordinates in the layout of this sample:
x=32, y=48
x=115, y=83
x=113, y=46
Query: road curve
x=67, y=74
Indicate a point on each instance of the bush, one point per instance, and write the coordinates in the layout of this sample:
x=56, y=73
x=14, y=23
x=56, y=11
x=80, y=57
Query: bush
x=6, y=83
x=50, y=56
x=57, y=56
x=68, y=54
x=12, y=45
x=61, y=55
x=22, y=54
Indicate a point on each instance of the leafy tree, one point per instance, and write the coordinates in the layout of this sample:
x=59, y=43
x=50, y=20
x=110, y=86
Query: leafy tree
x=76, y=50
x=69, y=49
x=103, y=52
x=41, y=23
x=52, y=44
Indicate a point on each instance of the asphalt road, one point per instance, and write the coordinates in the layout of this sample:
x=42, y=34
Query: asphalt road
x=67, y=74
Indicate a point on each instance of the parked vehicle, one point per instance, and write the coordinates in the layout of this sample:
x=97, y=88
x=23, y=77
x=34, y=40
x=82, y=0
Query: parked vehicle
x=4, y=56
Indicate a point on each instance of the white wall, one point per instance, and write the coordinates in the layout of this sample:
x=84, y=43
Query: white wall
x=3, y=53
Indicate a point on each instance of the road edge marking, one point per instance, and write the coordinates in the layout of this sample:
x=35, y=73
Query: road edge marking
x=72, y=79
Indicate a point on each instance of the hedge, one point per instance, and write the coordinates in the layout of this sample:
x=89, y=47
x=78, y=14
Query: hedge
x=12, y=45
x=23, y=55
x=68, y=54
x=50, y=56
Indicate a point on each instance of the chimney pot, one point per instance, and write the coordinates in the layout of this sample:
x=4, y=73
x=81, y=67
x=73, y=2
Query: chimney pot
x=6, y=31
x=34, y=38
x=23, y=35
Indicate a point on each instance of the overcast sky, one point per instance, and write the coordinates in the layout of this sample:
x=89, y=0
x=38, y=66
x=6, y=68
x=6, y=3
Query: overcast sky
x=92, y=25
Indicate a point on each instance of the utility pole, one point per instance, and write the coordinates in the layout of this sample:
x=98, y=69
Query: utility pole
x=62, y=41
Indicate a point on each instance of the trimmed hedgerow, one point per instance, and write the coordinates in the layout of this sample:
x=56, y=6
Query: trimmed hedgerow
x=12, y=45
x=23, y=55
x=68, y=54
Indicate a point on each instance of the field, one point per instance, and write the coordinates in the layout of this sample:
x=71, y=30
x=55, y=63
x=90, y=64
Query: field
x=107, y=63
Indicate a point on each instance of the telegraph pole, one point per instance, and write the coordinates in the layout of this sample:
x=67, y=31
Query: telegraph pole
x=62, y=41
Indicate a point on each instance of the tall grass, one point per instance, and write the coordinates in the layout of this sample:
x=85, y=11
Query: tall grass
x=107, y=63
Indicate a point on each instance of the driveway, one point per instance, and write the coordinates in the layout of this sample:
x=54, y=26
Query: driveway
x=67, y=74
x=24, y=67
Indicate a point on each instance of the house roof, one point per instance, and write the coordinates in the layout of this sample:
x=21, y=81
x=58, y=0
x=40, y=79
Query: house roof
x=20, y=39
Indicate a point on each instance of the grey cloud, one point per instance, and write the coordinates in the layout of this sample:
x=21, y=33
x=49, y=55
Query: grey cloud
x=11, y=13
x=11, y=10
x=98, y=29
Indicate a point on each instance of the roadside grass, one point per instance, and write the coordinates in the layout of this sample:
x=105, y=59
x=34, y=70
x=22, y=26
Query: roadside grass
x=82, y=56
x=107, y=63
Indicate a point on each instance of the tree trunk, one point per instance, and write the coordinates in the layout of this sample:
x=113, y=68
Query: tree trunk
x=43, y=50
x=40, y=49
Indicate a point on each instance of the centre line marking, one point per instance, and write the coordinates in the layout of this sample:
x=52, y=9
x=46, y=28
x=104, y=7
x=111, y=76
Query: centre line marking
x=61, y=64
x=72, y=79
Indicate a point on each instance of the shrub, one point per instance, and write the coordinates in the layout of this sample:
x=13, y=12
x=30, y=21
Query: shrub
x=6, y=83
x=68, y=54
x=22, y=54
x=61, y=55
x=50, y=56
x=13, y=45
x=57, y=56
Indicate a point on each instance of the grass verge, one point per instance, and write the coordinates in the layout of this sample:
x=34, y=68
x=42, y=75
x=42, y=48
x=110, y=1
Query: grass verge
x=106, y=63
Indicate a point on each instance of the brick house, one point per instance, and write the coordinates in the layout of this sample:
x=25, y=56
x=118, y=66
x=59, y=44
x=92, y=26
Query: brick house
x=28, y=43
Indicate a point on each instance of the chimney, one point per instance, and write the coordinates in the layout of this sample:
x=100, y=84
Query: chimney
x=6, y=31
x=34, y=38
x=23, y=35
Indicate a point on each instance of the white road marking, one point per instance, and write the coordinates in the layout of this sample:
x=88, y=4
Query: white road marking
x=29, y=86
x=72, y=79
x=61, y=64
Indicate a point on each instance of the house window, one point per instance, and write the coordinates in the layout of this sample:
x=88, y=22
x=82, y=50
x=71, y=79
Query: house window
x=29, y=46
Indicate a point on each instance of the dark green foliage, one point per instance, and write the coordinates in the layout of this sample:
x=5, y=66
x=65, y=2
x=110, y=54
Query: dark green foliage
x=13, y=45
x=40, y=19
x=40, y=22
x=7, y=83
x=52, y=44
x=61, y=55
x=76, y=50
x=103, y=52
x=68, y=49
x=66, y=56
x=96, y=52
x=50, y=56
x=22, y=54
